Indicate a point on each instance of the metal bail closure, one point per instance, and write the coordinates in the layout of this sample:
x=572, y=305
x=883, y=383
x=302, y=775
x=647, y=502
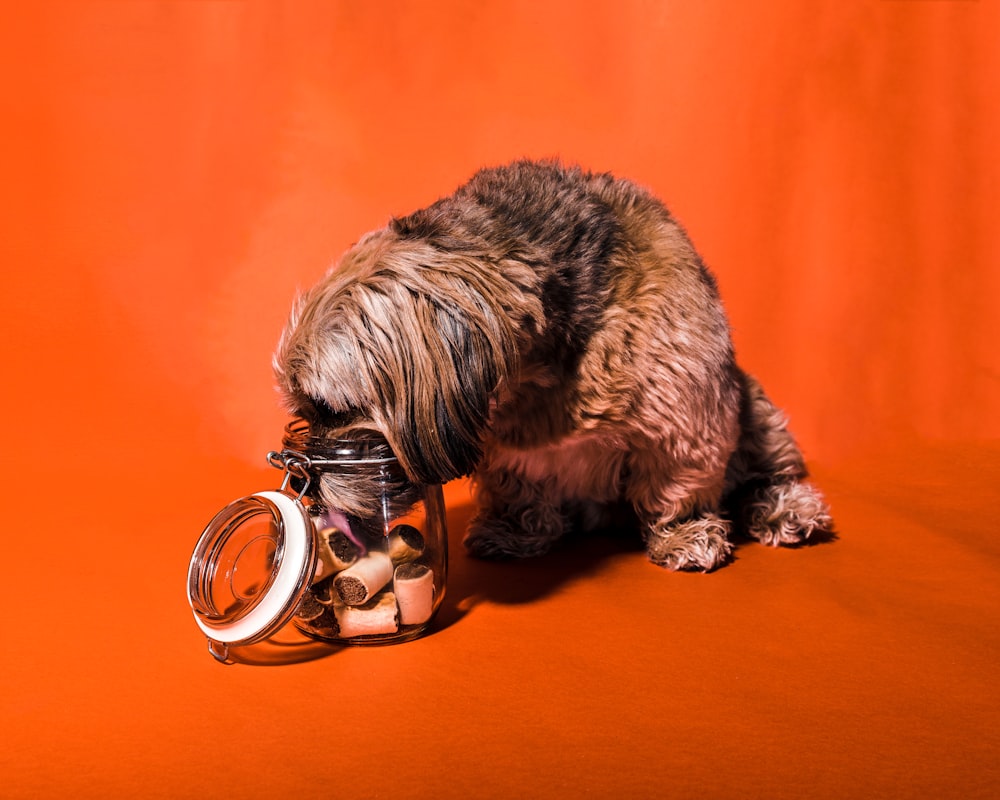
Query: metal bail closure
x=250, y=568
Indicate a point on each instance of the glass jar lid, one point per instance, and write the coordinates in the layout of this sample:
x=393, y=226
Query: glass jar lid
x=250, y=568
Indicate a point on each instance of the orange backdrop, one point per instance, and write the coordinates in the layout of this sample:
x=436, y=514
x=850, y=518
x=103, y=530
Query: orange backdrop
x=172, y=172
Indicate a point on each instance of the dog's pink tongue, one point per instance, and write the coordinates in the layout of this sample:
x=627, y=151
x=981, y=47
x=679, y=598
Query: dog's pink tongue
x=335, y=519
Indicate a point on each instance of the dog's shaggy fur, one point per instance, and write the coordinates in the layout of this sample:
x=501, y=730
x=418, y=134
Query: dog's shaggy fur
x=555, y=334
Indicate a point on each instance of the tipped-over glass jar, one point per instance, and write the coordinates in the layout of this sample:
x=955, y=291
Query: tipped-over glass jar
x=348, y=549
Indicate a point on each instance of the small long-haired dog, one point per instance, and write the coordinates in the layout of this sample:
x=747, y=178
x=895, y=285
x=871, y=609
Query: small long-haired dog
x=554, y=334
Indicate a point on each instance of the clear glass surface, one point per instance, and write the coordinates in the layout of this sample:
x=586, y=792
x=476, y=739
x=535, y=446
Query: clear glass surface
x=381, y=543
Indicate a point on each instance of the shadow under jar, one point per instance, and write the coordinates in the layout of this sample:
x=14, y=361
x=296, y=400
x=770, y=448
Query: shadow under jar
x=349, y=550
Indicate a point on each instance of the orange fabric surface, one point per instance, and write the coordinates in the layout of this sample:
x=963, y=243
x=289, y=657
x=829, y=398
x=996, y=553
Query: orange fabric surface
x=174, y=171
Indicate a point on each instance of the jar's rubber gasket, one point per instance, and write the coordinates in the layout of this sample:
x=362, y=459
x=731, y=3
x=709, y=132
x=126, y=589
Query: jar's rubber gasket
x=285, y=587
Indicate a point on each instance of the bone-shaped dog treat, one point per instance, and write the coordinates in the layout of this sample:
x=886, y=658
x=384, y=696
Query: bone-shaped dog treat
x=406, y=543
x=312, y=613
x=357, y=584
x=335, y=551
x=414, y=588
x=378, y=616
x=324, y=592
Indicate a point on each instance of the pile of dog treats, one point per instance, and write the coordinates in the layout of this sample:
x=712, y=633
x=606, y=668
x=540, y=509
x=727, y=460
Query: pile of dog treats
x=360, y=592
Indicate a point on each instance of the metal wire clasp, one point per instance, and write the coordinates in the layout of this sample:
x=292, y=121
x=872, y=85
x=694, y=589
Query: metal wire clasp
x=293, y=463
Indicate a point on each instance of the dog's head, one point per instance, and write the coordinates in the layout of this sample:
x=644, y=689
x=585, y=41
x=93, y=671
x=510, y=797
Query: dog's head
x=406, y=339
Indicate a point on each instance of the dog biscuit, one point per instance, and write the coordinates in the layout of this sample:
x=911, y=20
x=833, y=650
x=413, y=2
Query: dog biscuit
x=414, y=589
x=357, y=584
x=335, y=551
x=377, y=616
x=406, y=543
x=315, y=615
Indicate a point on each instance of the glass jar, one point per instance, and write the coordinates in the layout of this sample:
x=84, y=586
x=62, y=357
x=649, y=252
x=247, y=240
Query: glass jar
x=348, y=550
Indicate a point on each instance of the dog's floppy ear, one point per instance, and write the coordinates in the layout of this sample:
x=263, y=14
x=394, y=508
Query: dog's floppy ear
x=443, y=328
x=435, y=360
x=437, y=423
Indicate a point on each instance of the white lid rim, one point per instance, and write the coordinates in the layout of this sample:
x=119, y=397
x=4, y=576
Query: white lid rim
x=273, y=606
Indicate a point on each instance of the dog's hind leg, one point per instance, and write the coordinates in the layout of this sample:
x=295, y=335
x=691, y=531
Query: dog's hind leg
x=766, y=488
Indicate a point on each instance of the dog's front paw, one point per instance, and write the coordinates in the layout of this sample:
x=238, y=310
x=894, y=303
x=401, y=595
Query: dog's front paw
x=532, y=532
x=491, y=539
x=786, y=514
x=699, y=544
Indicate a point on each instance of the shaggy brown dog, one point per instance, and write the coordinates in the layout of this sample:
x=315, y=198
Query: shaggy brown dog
x=553, y=333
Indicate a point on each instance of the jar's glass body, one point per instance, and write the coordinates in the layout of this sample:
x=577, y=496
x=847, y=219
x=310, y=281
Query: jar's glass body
x=381, y=550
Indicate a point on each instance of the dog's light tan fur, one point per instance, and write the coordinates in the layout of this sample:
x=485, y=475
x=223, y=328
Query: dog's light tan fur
x=555, y=334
